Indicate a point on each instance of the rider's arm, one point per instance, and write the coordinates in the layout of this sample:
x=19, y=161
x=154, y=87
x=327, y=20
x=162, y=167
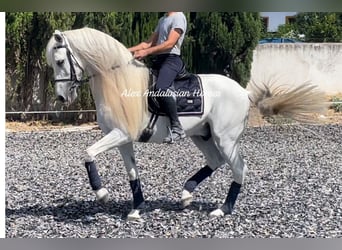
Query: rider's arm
x=171, y=41
x=145, y=44
x=160, y=48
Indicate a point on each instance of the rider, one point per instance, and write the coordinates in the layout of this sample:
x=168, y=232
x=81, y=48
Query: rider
x=165, y=43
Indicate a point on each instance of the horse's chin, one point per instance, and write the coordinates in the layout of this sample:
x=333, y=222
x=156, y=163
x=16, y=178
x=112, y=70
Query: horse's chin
x=69, y=102
x=71, y=99
x=66, y=104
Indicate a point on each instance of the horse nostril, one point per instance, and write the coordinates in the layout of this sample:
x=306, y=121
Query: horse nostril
x=61, y=98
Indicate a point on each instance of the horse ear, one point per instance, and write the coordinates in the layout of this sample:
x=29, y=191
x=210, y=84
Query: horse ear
x=58, y=36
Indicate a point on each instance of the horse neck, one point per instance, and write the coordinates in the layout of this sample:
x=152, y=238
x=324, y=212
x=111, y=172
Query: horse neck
x=111, y=104
x=113, y=69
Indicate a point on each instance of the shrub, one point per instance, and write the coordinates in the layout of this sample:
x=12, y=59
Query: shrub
x=336, y=104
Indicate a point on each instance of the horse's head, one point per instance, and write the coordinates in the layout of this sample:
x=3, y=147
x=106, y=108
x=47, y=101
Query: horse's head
x=68, y=70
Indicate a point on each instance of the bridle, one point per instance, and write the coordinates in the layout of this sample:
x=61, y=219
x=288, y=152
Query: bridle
x=73, y=62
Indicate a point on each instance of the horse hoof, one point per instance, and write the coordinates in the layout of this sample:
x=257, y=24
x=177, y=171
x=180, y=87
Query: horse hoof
x=186, y=198
x=216, y=213
x=134, y=215
x=102, y=195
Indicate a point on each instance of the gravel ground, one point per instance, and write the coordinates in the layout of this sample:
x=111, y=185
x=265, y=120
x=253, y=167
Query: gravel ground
x=293, y=188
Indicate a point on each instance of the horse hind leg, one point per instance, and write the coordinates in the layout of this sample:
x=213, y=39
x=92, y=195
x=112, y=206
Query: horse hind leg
x=214, y=160
x=230, y=151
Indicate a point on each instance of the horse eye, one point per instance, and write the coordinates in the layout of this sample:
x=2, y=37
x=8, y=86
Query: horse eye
x=60, y=62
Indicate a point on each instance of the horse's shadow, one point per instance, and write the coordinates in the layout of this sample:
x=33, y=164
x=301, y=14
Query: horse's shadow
x=73, y=211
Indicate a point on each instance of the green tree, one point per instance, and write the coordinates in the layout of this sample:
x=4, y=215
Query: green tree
x=26, y=38
x=319, y=26
x=288, y=31
x=16, y=49
x=225, y=42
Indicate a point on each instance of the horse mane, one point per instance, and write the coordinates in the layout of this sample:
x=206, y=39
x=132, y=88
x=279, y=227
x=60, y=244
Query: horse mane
x=115, y=70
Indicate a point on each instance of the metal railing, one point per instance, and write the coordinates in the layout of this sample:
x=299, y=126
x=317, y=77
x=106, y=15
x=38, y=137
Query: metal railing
x=49, y=112
x=52, y=115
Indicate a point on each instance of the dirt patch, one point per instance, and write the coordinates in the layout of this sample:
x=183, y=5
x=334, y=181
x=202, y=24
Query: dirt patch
x=44, y=125
x=331, y=117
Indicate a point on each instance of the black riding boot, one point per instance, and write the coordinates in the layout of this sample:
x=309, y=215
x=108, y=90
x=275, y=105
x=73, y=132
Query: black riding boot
x=168, y=105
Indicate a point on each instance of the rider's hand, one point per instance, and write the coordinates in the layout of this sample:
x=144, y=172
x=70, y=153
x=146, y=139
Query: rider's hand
x=140, y=54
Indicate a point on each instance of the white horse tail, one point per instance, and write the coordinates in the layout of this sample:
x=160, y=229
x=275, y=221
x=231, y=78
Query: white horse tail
x=301, y=103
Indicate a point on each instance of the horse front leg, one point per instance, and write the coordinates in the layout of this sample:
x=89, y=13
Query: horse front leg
x=127, y=154
x=102, y=194
x=113, y=139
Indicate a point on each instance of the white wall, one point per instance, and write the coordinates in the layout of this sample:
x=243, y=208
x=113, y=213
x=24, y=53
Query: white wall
x=318, y=63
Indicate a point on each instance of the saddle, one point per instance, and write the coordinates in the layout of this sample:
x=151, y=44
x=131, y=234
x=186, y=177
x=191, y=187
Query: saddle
x=187, y=88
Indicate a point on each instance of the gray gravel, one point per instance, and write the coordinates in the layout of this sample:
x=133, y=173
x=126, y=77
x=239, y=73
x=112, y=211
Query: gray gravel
x=293, y=188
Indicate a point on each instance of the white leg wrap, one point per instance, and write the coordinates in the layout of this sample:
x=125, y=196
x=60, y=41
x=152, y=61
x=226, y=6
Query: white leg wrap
x=186, y=198
x=102, y=195
x=113, y=139
x=134, y=215
x=216, y=213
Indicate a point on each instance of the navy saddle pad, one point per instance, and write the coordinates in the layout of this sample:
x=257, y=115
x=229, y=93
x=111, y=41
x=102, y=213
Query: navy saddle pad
x=189, y=95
